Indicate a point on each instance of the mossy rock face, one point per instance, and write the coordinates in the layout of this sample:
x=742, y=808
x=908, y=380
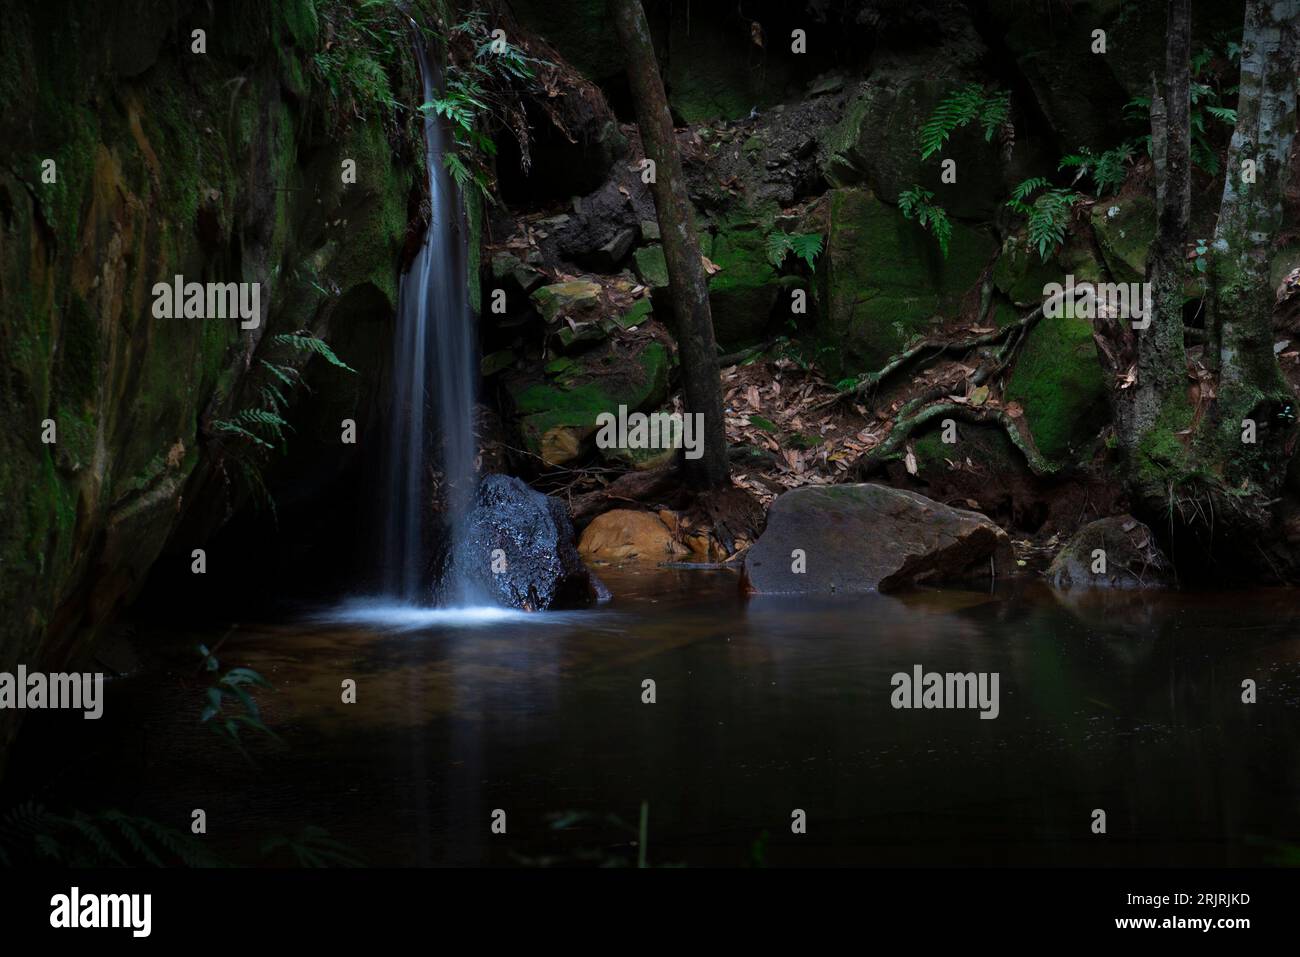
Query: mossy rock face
x=581, y=30
x=744, y=291
x=1073, y=86
x=652, y=266
x=877, y=142
x=1125, y=229
x=1021, y=273
x=576, y=300
x=709, y=74
x=164, y=168
x=558, y=415
x=1059, y=383
x=881, y=280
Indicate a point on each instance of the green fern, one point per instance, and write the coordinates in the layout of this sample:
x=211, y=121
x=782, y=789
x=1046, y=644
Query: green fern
x=1107, y=170
x=918, y=204
x=805, y=246
x=228, y=706
x=314, y=847
x=1047, y=216
x=110, y=838
x=965, y=105
x=308, y=343
x=1207, y=94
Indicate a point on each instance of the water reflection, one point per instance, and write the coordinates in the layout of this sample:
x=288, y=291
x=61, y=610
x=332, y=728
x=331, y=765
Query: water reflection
x=1124, y=702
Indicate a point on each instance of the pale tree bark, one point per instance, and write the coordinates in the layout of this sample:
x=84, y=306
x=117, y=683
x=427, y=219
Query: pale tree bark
x=688, y=284
x=1250, y=216
x=1153, y=402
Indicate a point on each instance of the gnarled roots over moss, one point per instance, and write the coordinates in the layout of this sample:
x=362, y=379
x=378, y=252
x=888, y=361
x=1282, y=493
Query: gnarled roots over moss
x=936, y=404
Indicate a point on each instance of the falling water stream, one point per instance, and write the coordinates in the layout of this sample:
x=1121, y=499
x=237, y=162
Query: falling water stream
x=434, y=380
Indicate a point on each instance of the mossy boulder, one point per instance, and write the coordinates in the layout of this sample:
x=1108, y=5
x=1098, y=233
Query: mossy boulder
x=511, y=272
x=744, y=291
x=1058, y=381
x=1021, y=273
x=577, y=300
x=882, y=282
x=651, y=266
x=867, y=537
x=557, y=413
x=1125, y=229
x=710, y=74
x=1073, y=86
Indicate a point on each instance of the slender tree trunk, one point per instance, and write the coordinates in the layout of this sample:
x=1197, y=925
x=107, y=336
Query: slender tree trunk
x=1250, y=214
x=701, y=388
x=1156, y=399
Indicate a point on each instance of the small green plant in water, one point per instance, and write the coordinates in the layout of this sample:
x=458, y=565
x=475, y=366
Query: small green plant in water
x=229, y=706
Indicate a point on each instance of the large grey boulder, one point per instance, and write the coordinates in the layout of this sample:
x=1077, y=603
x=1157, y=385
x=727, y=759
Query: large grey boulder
x=863, y=538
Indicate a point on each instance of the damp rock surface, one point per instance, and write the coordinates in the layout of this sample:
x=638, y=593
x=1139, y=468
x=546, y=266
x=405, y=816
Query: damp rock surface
x=518, y=549
x=1115, y=552
x=866, y=537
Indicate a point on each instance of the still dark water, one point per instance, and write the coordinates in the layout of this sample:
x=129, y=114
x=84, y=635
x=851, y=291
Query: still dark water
x=1131, y=704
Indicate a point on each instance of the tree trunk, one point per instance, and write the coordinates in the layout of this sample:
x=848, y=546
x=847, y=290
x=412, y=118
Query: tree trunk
x=701, y=388
x=1156, y=400
x=1251, y=386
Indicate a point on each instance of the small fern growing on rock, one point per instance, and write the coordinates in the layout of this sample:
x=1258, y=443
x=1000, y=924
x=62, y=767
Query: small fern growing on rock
x=1047, y=216
x=1107, y=169
x=918, y=204
x=806, y=246
x=965, y=105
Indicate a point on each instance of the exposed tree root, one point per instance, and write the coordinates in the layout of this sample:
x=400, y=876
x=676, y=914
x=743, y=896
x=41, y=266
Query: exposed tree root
x=892, y=447
x=740, y=355
x=1013, y=333
x=933, y=404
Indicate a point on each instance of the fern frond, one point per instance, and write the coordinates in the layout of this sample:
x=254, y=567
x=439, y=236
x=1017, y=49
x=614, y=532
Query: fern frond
x=777, y=246
x=310, y=343
x=807, y=246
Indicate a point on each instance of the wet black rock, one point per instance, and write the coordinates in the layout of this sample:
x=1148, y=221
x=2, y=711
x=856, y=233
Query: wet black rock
x=537, y=565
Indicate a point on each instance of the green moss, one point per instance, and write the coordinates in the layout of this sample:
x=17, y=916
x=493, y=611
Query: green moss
x=709, y=72
x=576, y=299
x=882, y=282
x=474, y=219
x=744, y=291
x=544, y=406
x=651, y=266
x=1020, y=272
x=1059, y=382
x=1125, y=229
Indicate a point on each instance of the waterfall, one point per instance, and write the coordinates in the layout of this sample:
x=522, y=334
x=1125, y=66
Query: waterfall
x=434, y=381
